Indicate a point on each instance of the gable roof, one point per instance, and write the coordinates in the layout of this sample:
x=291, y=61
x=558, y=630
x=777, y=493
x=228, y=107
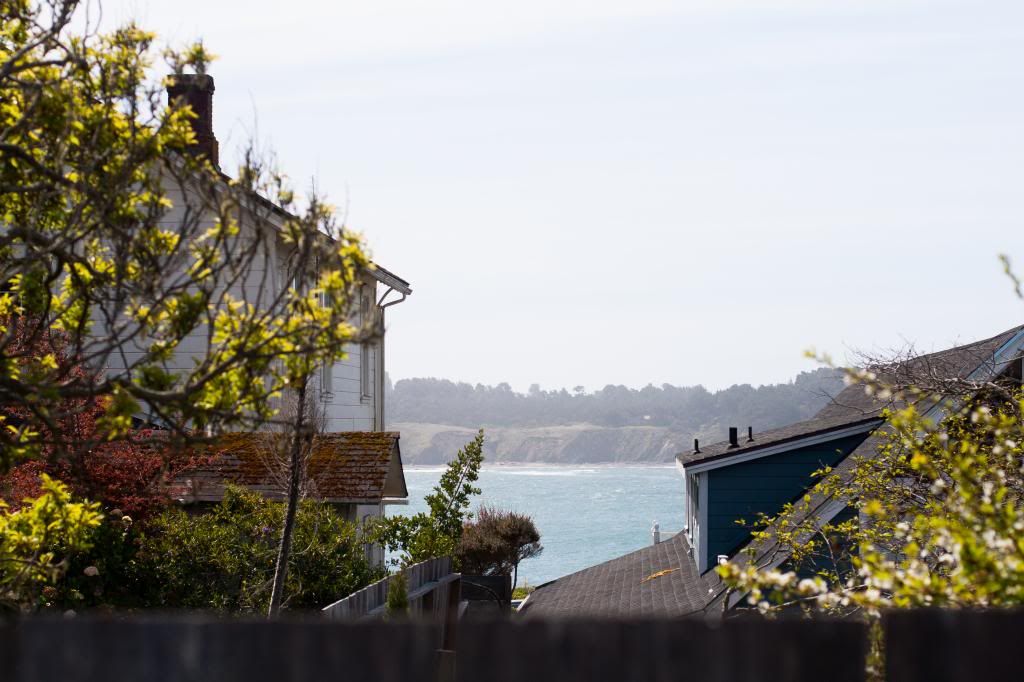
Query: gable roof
x=959, y=362
x=618, y=587
x=388, y=278
x=853, y=406
x=767, y=552
x=792, y=433
x=962, y=362
x=625, y=587
x=348, y=467
x=377, y=271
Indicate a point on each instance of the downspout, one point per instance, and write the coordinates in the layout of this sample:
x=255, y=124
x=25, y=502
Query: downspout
x=378, y=418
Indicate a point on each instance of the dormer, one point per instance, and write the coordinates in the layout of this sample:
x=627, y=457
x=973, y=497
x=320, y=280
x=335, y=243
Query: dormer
x=732, y=480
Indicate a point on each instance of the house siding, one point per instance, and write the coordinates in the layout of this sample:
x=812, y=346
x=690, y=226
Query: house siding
x=764, y=485
x=350, y=406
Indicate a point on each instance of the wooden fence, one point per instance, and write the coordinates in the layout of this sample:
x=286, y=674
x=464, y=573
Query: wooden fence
x=431, y=587
x=926, y=645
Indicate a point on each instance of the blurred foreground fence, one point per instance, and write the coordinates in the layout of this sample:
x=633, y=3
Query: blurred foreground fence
x=926, y=645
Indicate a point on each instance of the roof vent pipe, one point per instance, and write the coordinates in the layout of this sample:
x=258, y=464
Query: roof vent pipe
x=734, y=437
x=750, y=434
x=696, y=445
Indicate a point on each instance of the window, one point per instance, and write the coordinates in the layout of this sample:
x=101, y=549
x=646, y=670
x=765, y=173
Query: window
x=327, y=382
x=364, y=370
x=692, y=506
x=365, y=351
x=327, y=370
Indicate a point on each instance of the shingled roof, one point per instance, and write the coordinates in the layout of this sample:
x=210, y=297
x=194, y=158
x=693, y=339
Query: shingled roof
x=350, y=467
x=959, y=362
x=628, y=586
x=779, y=436
x=853, y=406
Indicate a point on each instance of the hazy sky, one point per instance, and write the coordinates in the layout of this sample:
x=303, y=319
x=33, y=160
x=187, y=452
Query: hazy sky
x=595, y=192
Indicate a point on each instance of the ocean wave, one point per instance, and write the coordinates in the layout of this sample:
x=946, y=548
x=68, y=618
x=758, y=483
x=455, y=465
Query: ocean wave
x=543, y=472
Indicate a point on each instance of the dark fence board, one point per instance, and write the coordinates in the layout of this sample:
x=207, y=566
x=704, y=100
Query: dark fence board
x=87, y=650
x=8, y=648
x=662, y=651
x=954, y=646
x=937, y=646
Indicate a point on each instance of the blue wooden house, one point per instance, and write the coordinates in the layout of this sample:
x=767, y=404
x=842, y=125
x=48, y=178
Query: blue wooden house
x=749, y=474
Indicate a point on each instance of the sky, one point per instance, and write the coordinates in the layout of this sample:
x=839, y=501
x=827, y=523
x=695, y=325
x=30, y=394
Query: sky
x=598, y=192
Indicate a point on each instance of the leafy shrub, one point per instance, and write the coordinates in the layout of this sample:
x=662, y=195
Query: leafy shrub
x=496, y=542
x=224, y=560
x=36, y=540
x=397, y=603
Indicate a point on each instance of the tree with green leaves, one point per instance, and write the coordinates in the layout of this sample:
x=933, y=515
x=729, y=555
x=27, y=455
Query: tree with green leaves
x=193, y=299
x=437, y=533
x=188, y=300
x=939, y=502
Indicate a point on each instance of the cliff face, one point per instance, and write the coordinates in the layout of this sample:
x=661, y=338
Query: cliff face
x=571, y=444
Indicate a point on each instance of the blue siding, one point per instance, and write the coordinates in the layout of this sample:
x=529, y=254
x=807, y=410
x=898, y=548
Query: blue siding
x=823, y=560
x=763, y=485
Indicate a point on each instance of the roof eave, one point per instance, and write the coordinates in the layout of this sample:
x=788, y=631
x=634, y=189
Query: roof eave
x=814, y=438
x=390, y=279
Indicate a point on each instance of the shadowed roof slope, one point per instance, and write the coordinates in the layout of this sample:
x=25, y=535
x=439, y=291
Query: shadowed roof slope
x=355, y=466
x=624, y=586
x=953, y=363
x=852, y=406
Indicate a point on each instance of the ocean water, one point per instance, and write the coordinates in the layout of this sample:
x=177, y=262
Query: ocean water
x=585, y=515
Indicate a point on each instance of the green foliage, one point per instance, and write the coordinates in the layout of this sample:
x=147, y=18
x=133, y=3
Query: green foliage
x=128, y=244
x=426, y=536
x=224, y=560
x=37, y=540
x=496, y=542
x=104, y=575
x=940, y=505
x=523, y=591
x=943, y=520
x=397, y=603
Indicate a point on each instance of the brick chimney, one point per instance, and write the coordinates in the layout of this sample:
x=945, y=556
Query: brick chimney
x=196, y=90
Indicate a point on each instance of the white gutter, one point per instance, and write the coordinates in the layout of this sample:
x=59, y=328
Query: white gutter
x=393, y=284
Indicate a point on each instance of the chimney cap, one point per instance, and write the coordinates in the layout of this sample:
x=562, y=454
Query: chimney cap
x=191, y=81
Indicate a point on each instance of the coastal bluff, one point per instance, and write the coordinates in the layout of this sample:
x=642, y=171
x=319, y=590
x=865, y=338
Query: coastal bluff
x=568, y=444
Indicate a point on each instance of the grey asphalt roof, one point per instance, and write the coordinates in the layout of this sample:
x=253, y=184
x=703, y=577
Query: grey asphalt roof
x=784, y=434
x=853, y=406
x=953, y=363
x=621, y=587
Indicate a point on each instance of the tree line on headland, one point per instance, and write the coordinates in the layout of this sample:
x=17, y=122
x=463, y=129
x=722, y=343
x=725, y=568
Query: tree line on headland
x=682, y=409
